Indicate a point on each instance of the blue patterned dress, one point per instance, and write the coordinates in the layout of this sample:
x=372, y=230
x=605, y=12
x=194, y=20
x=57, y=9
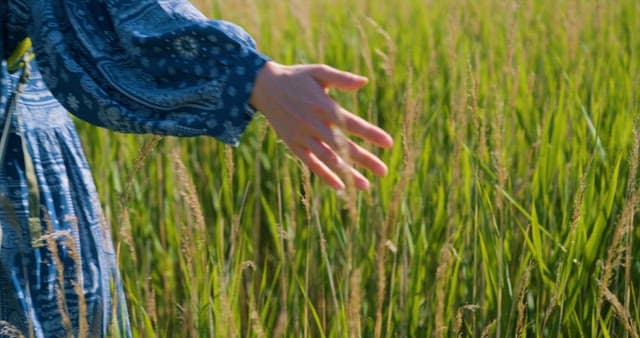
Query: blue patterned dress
x=141, y=66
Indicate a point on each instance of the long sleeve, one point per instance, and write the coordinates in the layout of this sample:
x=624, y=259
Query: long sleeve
x=146, y=66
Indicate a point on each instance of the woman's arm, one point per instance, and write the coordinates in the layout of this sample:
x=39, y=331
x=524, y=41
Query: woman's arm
x=148, y=66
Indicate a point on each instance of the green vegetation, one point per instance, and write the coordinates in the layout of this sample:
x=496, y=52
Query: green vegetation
x=509, y=210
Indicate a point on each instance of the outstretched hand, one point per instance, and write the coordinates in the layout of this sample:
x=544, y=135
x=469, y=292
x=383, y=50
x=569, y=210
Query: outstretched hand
x=295, y=100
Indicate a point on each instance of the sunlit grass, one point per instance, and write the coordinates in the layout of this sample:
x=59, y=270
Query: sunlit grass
x=509, y=208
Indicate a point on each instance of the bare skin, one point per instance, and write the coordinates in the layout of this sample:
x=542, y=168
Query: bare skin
x=295, y=101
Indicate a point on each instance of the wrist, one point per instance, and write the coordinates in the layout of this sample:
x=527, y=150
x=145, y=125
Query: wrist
x=264, y=79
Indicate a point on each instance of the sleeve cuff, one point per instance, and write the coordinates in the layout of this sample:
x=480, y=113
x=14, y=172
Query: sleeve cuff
x=240, y=81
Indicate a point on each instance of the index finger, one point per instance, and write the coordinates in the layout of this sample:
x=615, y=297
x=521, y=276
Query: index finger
x=362, y=128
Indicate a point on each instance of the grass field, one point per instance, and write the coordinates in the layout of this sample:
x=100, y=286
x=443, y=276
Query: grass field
x=509, y=210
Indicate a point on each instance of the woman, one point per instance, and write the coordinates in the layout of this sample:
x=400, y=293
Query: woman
x=141, y=66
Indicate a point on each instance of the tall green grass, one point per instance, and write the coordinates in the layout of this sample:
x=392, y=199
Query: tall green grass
x=509, y=210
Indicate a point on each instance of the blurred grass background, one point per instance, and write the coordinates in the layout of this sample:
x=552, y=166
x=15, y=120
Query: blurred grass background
x=509, y=210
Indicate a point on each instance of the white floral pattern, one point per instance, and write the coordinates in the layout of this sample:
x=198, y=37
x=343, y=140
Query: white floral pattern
x=141, y=66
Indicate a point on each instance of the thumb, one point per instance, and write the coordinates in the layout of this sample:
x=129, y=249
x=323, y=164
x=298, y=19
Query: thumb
x=330, y=77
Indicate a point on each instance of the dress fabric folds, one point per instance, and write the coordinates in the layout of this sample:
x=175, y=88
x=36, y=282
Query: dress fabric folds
x=139, y=66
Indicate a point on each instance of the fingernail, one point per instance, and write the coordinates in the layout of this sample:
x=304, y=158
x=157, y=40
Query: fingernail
x=384, y=170
x=381, y=169
x=389, y=141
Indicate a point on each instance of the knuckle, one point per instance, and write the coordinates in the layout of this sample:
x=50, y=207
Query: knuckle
x=325, y=154
x=356, y=151
x=333, y=157
x=323, y=68
x=316, y=69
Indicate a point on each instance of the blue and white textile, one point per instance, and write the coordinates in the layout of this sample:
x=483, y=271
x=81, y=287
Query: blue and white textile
x=141, y=66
